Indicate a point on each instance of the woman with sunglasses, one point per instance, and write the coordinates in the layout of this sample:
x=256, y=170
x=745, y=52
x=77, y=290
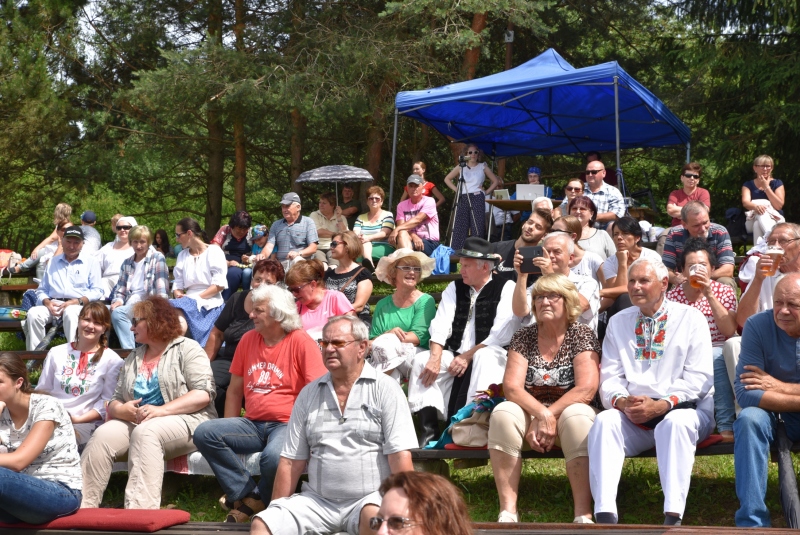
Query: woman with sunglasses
x=83, y=374
x=348, y=277
x=374, y=227
x=574, y=188
x=400, y=324
x=591, y=239
x=471, y=193
x=419, y=503
x=200, y=277
x=429, y=189
x=763, y=198
x=113, y=254
x=315, y=303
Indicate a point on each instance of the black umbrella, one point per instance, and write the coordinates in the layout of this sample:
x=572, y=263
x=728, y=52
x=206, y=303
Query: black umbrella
x=335, y=174
x=790, y=500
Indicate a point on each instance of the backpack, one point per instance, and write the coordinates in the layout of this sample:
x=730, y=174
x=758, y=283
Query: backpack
x=736, y=224
x=8, y=259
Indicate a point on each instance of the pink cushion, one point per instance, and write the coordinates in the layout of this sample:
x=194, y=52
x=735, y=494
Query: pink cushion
x=145, y=521
x=709, y=441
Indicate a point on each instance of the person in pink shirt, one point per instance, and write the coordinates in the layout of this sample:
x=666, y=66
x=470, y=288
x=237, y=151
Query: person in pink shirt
x=690, y=177
x=315, y=304
x=417, y=221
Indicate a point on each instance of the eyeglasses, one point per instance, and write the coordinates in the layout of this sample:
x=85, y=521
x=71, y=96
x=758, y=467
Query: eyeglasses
x=296, y=289
x=764, y=166
x=470, y=152
x=395, y=523
x=335, y=244
x=134, y=321
x=550, y=297
x=569, y=188
x=415, y=269
x=178, y=234
x=337, y=344
x=691, y=175
x=375, y=199
x=593, y=171
x=782, y=243
x=123, y=228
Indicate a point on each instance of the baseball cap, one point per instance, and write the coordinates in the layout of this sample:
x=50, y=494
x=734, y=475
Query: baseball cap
x=289, y=198
x=414, y=179
x=88, y=217
x=73, y=232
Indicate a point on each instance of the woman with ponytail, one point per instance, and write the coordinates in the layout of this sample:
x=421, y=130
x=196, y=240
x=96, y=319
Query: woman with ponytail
x=40, y=472
x=200, y=277
x=83, y=374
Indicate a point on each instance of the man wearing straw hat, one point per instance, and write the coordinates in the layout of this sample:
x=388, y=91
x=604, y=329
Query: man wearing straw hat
x=472, y=327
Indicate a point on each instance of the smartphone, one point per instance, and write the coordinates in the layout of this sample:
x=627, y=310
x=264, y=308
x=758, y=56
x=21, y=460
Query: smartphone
x=528, y=254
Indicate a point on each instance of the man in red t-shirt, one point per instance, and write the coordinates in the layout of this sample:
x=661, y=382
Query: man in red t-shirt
x=272, y=363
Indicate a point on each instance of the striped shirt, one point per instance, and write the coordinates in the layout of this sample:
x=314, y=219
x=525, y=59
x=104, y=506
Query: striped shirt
x=367, y=228
x=718, y=238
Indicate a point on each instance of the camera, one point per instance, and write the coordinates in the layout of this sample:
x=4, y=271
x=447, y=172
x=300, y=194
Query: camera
x=462, y=160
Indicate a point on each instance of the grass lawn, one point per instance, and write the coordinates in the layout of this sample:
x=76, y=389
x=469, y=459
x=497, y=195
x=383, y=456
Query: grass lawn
x=545, y=494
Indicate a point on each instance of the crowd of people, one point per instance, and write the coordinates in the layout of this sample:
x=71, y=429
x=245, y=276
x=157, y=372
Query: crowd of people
x=604, y=348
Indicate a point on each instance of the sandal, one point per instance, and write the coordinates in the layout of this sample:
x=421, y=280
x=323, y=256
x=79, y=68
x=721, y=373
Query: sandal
x=245, y=509
x=505, y=516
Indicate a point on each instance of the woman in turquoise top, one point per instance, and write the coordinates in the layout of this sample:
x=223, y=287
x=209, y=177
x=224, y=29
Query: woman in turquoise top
x=400, y=323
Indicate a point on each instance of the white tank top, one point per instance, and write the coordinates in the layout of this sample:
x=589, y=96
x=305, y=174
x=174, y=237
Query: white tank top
x=474, y=178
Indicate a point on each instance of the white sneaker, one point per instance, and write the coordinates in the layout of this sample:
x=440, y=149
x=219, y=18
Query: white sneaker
x=582, y=520
x=505, y=516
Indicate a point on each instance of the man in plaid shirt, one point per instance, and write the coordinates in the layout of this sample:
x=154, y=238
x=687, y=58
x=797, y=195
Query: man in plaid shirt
x=608, y=199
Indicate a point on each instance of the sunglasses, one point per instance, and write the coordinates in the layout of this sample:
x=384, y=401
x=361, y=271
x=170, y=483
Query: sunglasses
x=376, y=199
x=134, y=321
x=691, y=175
x=593, y=171
x=335, y=244
x=472, y=152
x=336, y=344
x=395, y=523
x=568, y=188
x=296, y=289
x=119, y=227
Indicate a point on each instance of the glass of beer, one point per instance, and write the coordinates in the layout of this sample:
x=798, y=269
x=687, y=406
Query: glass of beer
x=775, y=252
x=695, y=270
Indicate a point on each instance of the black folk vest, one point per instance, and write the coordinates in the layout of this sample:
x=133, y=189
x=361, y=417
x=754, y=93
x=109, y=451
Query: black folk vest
x=485, y=311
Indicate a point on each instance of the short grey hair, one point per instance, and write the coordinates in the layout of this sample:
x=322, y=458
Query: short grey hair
x=560, y=235
x=658, y=266
x=282, y=306
x=691, y=208
x=793, y=227
x=546, y=200
x=358, y=328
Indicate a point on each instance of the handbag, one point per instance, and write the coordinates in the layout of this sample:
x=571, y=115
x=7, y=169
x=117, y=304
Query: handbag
x=472, y=431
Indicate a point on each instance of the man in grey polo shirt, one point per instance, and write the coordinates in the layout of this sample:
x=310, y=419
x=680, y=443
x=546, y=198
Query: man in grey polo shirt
x=353, y=428
x=294, y=237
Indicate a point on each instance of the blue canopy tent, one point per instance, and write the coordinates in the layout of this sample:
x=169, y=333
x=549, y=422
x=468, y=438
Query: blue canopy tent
x=546, y=106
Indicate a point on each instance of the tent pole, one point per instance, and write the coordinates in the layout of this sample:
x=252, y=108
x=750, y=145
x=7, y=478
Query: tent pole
x=620, y=179
x=688, y=152
x=394, y=156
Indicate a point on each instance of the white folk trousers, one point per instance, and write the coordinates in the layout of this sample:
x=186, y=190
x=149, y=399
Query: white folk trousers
x=613, y=437
x=488, y=366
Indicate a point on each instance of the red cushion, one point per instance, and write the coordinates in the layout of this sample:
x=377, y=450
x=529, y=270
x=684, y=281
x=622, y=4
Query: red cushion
x=710, y=441
x=146, y=521
x=457, y=447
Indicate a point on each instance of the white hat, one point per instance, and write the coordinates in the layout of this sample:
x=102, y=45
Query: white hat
x=127, y=219
x=385, y=263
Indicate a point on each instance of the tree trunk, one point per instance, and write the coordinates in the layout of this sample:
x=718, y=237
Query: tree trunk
x=298, y=148
x=469, y=66
x=375, y=131
x=239, y=138
x=216, y=134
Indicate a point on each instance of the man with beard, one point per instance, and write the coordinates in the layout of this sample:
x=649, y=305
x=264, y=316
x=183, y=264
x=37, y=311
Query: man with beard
x=533, y=230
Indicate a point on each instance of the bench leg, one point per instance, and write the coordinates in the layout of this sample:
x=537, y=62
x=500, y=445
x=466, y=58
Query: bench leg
x=433, y=466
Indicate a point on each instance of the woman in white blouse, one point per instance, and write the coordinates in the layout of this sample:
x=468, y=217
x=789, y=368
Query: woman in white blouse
x=200, y=276
x=113, y=254
x=83, y=374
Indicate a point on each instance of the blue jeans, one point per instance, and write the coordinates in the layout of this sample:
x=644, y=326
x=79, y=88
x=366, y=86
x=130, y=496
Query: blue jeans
x=120, y=319
x=724, y=402
x=25, y=498
x=754, y=431
x=220, y=440
x=237, y=277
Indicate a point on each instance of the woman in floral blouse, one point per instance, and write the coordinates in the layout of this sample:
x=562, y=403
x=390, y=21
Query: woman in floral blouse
x=550, y=385
x=83, y=374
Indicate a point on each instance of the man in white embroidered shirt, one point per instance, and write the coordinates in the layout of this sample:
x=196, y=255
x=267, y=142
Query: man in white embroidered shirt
x=472, y=327
x=657, y=372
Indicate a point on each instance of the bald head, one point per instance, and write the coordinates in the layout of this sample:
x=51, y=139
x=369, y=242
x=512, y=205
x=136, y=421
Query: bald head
x=786, y=304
